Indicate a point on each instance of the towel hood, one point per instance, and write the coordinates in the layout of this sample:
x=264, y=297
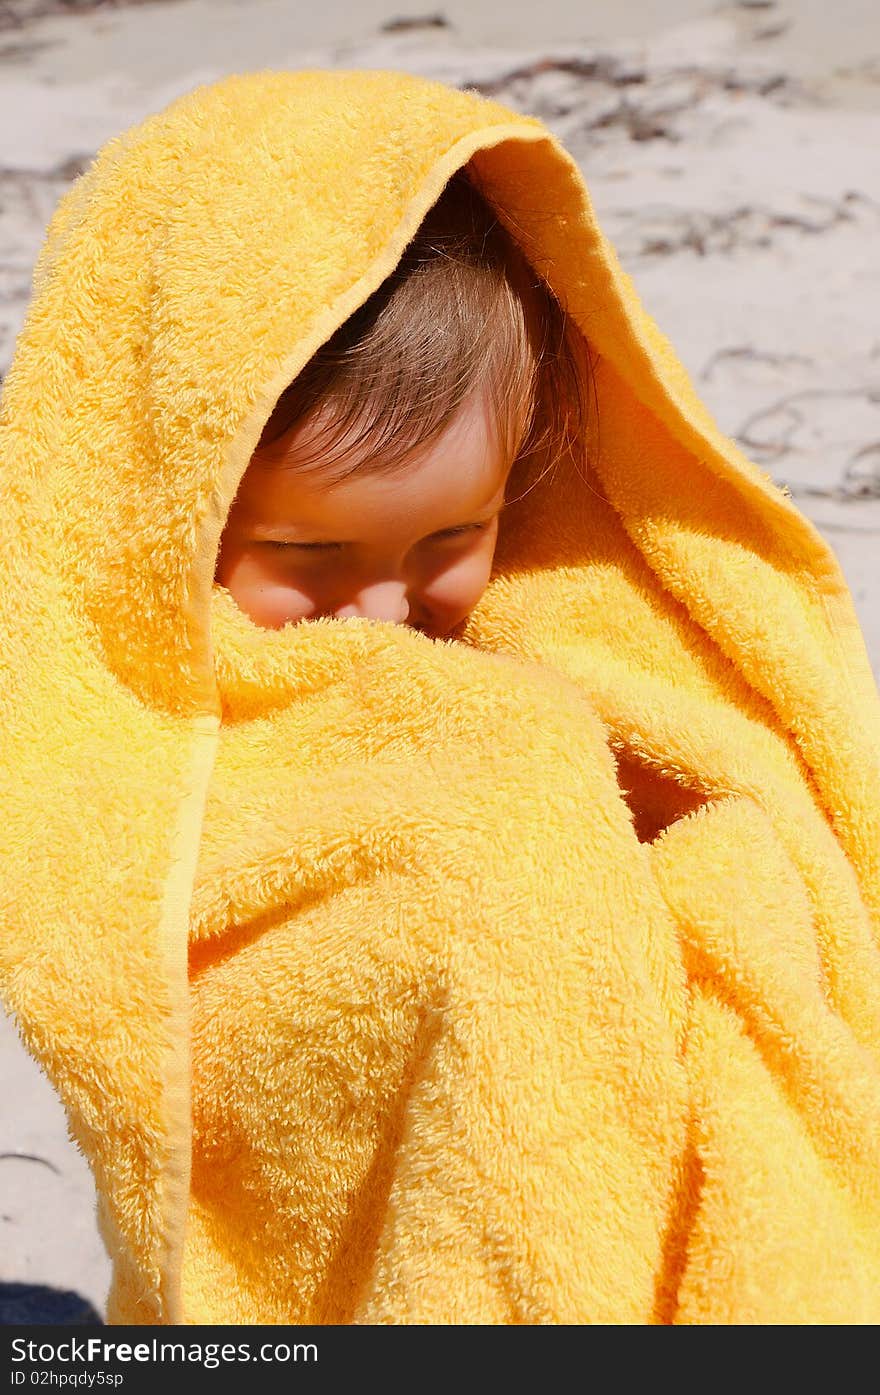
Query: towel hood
x=206, y=254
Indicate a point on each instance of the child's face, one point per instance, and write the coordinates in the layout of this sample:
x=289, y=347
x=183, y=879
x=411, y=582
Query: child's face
x=296, y=547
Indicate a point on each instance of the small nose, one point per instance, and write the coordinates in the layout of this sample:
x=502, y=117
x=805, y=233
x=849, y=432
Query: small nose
x=383, y=601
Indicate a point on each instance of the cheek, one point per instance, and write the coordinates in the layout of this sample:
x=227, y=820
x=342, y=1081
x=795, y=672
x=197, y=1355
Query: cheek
x=259, y=588
x=459, y=583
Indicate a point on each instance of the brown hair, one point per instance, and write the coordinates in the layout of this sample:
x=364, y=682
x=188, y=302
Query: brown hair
x=462, y=311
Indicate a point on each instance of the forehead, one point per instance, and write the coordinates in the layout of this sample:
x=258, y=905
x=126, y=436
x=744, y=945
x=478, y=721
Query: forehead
x=462, y=471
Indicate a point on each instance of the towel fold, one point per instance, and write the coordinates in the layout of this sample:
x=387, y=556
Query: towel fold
x=530, y=977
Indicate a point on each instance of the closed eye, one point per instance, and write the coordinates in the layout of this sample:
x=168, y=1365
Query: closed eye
x=327, y=546
x=456, y=532
x=311, y=547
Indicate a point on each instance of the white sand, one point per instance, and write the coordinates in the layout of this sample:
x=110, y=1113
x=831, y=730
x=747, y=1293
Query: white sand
x=732, y=156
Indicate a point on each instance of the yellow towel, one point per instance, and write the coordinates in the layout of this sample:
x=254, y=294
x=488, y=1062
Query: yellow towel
x=530, y=977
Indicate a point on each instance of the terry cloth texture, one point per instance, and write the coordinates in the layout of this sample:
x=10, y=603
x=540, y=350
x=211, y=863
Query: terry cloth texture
x=526, y=977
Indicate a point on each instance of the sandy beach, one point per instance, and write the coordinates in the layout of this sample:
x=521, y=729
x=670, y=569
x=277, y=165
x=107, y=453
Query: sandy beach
x=731, y=153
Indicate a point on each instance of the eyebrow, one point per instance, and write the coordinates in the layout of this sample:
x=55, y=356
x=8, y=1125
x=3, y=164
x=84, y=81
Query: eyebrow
x=282, y=534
